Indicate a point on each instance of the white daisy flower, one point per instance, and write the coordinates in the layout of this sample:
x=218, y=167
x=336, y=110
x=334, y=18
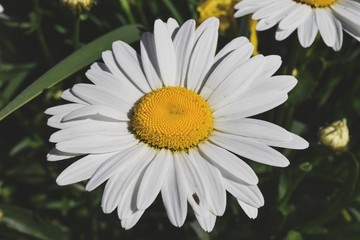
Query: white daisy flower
x=1, y=8
x=329, y=17
x=173, y=120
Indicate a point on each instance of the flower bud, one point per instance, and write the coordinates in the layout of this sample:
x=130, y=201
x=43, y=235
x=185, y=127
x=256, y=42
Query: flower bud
x=335, y=136
x=78, y=6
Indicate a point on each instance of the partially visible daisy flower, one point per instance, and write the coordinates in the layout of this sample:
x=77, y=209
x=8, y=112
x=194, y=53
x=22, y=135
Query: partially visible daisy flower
x=222, y=9
x=329, y=17
x=1, y=8
x=172, y=120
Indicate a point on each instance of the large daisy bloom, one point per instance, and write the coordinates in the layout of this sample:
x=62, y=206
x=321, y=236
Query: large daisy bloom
x=329, y=17
x=172, y=120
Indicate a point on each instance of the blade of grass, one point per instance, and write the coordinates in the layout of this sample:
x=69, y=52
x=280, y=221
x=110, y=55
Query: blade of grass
x=73, y=63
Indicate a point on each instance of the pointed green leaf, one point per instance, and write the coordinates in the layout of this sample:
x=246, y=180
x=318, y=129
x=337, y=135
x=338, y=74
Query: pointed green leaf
x=73, y=63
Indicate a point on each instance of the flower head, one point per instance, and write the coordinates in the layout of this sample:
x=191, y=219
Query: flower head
x=78, y=6
x=308, y=17
x=170, y=120
x=222, y=9
x=1, y=8
x=335, y=136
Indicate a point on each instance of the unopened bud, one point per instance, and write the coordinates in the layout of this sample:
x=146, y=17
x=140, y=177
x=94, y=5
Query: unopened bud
x=335, y=136
x=78, y=6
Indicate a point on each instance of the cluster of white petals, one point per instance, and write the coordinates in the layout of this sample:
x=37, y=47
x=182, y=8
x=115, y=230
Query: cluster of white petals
x=291, y=15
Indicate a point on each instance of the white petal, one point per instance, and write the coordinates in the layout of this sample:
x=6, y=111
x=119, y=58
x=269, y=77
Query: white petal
x=153, y=179
x=131, y=220
x=339, y=33
x=56, y=121
x=295, y=142
x=184, y=43
x=250, y=149
x=272, y=64
x=96, y=95
x=215, y=191
x=88, y=129
x=231, y=46
x=249, y=194
x=172, y=26
x=165, y=53
x=247, y=6
x=269, y=10
x=295, y=17
x=202, y=57
x=117, y=163
x=100, y=66
x=275, y=16
x=96, y=144
x=250, y=105
x=211, y=22
x=65, y=108
x=116, y=184
x=250, y=211
x=128, y=196
x=206, y=221
x=226, y=66
x=237, y=82
x=348, y=13
x=56, y=155
x=118, y=85
x=100, y=112
x=307, y=31
x=326, y=24
x=149, y=60
x=110, y=62
x=173, y=197
x=188, y=174
x=69, y=96
x=282, y=34
x=228, y=164
x=278, y=83
x=129, y=63
x=253, y=128
x=82, y=169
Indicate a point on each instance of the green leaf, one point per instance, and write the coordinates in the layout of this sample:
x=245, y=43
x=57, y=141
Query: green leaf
x=29, y=223
x=73, y=63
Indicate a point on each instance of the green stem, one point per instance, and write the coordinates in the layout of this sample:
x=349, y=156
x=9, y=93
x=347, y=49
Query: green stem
x=76, y=32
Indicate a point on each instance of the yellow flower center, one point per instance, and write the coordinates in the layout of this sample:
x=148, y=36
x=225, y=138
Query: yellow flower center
x=174, y=118
x=317, y=3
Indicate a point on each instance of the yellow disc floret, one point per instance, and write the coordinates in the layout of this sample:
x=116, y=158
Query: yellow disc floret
x=174, y=118
x=317, y=3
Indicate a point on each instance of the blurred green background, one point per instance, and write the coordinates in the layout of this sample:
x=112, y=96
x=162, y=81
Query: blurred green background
x=316, y=197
